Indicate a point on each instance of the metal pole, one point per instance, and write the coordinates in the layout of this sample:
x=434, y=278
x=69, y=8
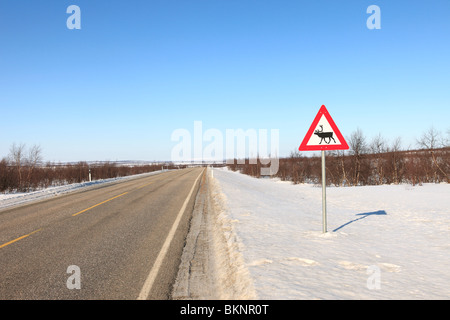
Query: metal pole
x=324, y=196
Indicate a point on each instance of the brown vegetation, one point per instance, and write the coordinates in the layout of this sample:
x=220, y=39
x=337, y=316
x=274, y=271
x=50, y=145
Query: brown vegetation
x=24, y=171
x=373, y=163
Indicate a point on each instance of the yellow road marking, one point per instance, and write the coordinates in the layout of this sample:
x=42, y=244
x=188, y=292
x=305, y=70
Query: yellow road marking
x=19, y=238
x=75, y=214
x=144, y=185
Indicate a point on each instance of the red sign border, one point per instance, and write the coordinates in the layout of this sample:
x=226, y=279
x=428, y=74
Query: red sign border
x=343, y=144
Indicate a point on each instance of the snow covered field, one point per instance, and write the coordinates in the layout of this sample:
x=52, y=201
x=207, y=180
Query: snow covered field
x=383, y=242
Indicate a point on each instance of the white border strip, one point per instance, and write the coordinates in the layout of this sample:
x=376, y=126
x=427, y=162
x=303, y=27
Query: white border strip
x=148, y=284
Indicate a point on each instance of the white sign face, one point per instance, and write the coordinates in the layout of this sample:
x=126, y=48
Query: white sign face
x=323, y=134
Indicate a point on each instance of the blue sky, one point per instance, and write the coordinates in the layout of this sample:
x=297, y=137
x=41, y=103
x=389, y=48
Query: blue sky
x=138, y=70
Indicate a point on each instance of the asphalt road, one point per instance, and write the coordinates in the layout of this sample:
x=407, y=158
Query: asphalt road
x=120, y=241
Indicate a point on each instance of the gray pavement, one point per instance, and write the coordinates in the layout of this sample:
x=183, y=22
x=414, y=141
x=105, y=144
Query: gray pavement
x=113, y=234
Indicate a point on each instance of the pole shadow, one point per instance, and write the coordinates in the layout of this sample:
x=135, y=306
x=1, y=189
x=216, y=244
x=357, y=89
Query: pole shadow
x=363, y=216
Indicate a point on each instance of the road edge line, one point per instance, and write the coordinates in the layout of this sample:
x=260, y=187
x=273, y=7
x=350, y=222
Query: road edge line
x=148, y=284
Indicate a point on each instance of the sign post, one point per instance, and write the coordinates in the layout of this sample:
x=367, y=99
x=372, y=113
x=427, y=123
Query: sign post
x=324, y=195
x=323, y=135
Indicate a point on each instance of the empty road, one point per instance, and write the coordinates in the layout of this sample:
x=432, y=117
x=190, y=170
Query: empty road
x=116, y=241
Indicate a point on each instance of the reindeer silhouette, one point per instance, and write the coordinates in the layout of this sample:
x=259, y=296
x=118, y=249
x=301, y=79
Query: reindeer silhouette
x=324, y=135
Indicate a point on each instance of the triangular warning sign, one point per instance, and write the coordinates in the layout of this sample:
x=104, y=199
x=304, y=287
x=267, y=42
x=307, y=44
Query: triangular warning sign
x=323, y=134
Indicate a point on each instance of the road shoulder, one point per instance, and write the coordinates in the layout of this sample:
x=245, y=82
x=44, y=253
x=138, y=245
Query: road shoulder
x=211, y=265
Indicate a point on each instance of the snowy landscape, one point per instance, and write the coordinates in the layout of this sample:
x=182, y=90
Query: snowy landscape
x=383, y=242
x=259, y=102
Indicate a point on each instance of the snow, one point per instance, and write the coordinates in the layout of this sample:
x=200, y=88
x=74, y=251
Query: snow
x=12, y=199
x=383, y=242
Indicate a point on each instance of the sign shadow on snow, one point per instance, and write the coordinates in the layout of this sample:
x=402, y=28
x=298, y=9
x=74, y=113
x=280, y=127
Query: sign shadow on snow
x=363, y=216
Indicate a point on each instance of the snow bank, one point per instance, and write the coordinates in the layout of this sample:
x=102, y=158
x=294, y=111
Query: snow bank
x=383, y=242
x=212, y=266
x=13, y=199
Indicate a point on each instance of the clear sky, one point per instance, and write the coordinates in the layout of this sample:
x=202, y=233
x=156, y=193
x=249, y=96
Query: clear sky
x=137, y=70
